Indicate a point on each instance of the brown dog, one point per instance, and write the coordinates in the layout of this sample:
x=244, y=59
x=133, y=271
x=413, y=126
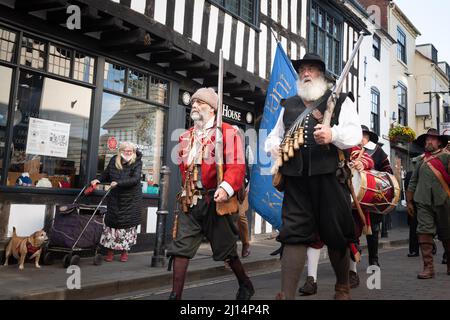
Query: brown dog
x=19, y=247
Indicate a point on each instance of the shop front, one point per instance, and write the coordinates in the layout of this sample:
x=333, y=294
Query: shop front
x=64, y=110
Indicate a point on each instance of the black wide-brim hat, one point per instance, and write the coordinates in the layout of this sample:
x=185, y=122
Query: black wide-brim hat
x=372, y=135
x=420, y=141
x=309, y=58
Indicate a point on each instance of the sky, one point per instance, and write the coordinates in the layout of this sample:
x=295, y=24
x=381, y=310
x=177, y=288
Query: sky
x=432, y=19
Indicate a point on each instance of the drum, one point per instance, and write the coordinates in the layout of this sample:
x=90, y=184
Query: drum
x=376, y=191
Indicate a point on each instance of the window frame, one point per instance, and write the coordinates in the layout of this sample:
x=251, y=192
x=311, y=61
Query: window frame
x=403, y=108
x=401, y=47
x=375, y=115
x=338, y=20
x=376, y=52
x=255, y=19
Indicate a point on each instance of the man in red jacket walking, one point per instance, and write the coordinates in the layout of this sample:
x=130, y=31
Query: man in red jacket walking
x=200, y=193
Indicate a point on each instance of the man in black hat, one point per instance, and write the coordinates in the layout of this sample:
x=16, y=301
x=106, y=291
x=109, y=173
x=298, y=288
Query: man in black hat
x=316, y=203
x=429, y=190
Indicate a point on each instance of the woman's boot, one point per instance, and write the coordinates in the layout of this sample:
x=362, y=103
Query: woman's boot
x=109, y=256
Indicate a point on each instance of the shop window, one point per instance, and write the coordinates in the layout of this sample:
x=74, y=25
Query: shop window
x=130, y=120
x=50, y=133
x=158, y=90
x=83, y=69
x=7, y=45
x=114, y=77
x=32, y=53
x=59, y=61
x=137, y=84
x=5, y=88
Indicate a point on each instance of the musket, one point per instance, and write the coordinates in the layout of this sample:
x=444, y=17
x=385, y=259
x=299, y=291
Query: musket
x=337, y=89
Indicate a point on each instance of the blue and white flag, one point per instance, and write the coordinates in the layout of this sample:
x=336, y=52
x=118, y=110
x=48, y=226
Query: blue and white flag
x=263, y=197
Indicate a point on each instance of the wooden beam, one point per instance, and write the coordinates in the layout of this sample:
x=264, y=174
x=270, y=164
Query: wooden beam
x=60, y=16
x=172, y=55
x=37, y=5
x=200, y=65
x=120, y=40
x=103, y=24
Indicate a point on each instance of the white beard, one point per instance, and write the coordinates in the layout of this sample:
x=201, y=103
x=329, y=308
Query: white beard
x=200, y=119
x=312, y=90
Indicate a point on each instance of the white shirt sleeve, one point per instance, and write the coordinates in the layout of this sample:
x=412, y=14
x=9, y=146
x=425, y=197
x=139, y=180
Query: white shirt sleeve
x=228, y=188
x=276, y=135
x=348, y=133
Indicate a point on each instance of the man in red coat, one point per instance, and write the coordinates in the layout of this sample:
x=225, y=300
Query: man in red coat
x=200, y=193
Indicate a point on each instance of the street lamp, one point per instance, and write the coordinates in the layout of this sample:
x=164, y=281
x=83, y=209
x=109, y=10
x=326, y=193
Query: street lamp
x=158, y=258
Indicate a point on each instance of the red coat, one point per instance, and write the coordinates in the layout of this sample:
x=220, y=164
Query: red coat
x=233, y=155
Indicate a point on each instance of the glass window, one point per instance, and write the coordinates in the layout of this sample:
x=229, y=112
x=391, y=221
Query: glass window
x=137, y=84
x=159, y=90
x=114, y=77
x=375, y=111
x=401, y=45
x=325, y=38
x=59, y=60
x=244, y=9
x=376, y=47
x=402, y=104
x=130, y=120
x=83, y=69
x=5, y=89
x=7, y=45
x=32, y=53
x=50, y=133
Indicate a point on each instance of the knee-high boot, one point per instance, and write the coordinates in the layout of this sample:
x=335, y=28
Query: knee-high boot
x=340, y=260
x=426, y=246
x=292, y=263
x=180, y=265
x=372, y=244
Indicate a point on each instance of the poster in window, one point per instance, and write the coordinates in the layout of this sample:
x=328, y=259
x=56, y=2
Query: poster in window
x=48, y=138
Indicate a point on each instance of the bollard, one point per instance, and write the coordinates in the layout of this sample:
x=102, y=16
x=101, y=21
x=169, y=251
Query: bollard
x=158, y=258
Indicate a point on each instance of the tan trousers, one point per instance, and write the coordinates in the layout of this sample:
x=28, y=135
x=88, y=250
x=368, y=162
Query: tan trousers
x=242, y=222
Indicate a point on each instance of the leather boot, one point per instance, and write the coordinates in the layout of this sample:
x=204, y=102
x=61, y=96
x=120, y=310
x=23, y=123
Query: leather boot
x=340, y=261
x=342, y=292
x=309, y=288
x=446, y=244
x=426, y=246
x=246, y=290
x=372, y=245
x=353, y=279
x=180, y=265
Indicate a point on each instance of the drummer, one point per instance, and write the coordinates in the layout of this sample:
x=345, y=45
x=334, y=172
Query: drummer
x=380, y=162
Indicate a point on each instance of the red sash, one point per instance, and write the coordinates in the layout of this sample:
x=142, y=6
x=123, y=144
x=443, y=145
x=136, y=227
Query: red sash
x=438, y=165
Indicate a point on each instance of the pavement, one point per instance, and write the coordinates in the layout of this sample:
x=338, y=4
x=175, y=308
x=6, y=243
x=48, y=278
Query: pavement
x=52, y=282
